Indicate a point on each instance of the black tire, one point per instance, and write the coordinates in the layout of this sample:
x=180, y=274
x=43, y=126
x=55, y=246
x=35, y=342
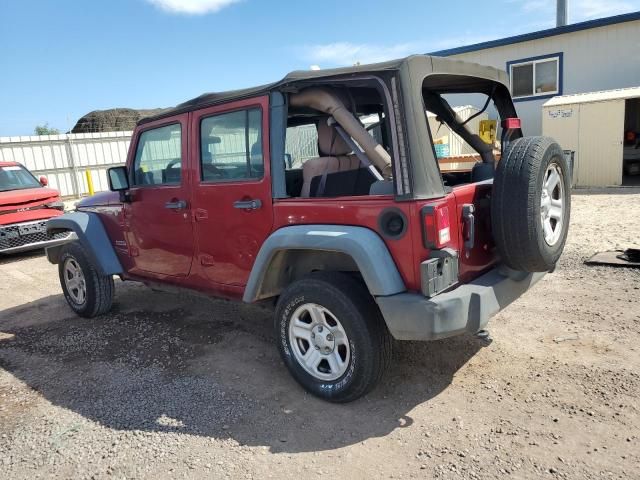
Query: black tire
x=99, y=288
x=516, y=204
x=370, y=342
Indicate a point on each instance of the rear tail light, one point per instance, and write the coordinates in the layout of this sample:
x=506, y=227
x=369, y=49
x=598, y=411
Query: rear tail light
x=511, y=123
x=436, y=226
x=509, y=126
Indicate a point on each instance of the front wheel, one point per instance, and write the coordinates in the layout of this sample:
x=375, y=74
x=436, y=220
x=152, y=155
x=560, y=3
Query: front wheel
x=87, y=292
x=332, y=337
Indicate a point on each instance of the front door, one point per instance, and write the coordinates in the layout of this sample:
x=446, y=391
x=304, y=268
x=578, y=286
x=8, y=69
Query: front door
x=160, y=226
x=232, y=189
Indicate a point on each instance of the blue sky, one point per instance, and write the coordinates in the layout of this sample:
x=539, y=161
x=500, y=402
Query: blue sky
x=61, y=59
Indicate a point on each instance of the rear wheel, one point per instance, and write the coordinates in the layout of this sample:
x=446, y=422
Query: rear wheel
x=87, y=292
x=531, y=204
x=332, y=337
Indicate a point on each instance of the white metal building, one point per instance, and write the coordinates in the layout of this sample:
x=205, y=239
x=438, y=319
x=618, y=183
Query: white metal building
x=593, y=125
x=596, y=55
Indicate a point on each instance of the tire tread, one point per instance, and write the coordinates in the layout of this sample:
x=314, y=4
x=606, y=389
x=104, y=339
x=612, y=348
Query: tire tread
x=515, y=222
x=100, y=286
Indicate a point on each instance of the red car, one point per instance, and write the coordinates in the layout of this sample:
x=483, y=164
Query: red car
x=25, y=206
x=354, y=234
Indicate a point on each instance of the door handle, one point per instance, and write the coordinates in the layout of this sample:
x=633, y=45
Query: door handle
x=248, y=204
x=176, y=205
x=470, y=223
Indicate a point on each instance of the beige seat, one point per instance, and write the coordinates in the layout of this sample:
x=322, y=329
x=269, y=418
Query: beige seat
x=335, y=156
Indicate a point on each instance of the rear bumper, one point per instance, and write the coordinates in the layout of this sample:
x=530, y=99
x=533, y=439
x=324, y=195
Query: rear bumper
x=466, y=309
x=13, y=241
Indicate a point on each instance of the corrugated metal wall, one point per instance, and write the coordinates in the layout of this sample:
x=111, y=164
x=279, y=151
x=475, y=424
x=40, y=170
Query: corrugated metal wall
x=457, y=146
x=301, y=144
x=63, y=159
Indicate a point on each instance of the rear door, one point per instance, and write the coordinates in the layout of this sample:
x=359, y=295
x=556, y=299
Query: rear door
x=232, y=189
x=158, y=218
x=473, y=215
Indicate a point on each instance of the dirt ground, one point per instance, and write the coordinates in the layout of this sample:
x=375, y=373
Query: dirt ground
x=174, y=386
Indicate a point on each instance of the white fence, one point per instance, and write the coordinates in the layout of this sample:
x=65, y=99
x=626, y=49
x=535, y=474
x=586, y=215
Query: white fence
x=64, y=159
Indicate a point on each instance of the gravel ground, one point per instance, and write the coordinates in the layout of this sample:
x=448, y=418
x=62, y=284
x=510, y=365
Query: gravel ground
x=178, y=386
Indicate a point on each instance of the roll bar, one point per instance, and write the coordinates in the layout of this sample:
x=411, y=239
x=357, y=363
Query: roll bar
x=327, y=101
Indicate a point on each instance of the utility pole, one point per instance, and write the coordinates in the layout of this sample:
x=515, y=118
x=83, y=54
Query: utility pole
x=562, y=13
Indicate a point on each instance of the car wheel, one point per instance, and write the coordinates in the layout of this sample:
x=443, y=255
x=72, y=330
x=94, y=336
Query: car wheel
x=531, y=204
x=331, y=336
x=87, y=292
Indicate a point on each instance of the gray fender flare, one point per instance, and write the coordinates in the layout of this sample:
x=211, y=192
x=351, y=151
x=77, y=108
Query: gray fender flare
x=91, y=235
x=364, y=246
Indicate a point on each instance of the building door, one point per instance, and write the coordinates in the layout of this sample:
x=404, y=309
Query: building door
x=599, y=161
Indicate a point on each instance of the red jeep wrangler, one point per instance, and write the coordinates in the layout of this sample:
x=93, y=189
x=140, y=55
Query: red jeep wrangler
x=25, y=206
x=323, y=195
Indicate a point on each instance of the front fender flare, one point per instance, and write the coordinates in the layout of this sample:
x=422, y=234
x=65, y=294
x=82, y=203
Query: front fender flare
x=364, y=246
x=92, y=236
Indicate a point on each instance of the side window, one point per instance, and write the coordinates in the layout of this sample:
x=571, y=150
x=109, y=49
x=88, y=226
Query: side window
x=302, y=140
x=231, y=146
x=374, y=125
x=159, y=156
x=301, y=145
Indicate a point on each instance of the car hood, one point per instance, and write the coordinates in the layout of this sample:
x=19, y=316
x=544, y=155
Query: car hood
x=102, y=198
x=26, y=196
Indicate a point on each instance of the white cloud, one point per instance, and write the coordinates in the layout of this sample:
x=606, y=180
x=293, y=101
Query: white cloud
x=192, y=7
x=580, y=10
x=461, y=40
x=346, y=53
x=589, y=9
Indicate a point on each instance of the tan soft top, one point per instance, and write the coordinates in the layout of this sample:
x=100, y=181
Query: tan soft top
x=418, y=65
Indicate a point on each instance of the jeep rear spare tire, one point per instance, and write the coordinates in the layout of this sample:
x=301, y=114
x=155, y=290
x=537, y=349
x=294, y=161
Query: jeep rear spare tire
x=531, y=204
x=331, y=336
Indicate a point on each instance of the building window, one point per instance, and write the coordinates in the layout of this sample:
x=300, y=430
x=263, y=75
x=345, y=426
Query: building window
x=537, y=77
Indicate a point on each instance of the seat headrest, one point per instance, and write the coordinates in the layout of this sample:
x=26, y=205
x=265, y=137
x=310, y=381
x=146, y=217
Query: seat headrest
x=330, y=143
x=256, y=148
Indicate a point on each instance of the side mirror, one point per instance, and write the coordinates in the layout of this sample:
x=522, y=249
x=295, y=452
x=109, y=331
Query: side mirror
x=118, y=179
x=43, y=181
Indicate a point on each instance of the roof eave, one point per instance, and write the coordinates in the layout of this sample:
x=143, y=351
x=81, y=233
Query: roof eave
x=550, y=32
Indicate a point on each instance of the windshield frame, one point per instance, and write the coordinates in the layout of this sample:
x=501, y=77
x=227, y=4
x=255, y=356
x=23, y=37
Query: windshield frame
x=22, y=168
